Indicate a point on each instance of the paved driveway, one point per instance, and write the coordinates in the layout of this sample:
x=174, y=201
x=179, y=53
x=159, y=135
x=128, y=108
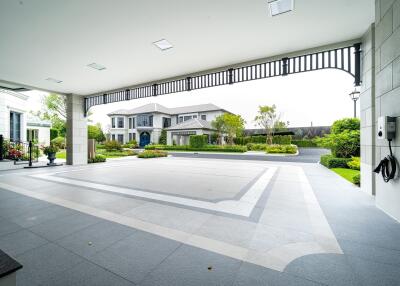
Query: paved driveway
x=184, y=221
x=306, y=155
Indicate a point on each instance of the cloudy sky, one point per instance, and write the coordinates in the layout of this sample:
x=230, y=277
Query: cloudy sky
x=317, y=98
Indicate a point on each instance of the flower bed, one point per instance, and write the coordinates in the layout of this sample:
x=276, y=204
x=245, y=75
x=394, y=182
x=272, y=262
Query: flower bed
x=152, y=154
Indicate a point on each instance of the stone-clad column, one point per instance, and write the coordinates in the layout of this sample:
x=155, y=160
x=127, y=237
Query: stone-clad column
x=77, y=143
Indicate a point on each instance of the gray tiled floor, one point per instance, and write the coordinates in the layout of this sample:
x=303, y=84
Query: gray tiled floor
x=60, y=246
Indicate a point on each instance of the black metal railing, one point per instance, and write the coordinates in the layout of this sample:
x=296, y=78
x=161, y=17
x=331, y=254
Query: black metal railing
x=347, y=59
x=18, y=151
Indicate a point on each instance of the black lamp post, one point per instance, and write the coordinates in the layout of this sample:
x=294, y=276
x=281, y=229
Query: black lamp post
x=355, y=95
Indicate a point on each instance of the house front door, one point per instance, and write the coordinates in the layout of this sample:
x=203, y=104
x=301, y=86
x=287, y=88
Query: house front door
x=144, y=139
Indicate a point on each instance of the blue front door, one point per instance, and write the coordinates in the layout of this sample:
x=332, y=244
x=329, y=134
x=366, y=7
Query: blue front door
x=144, y=139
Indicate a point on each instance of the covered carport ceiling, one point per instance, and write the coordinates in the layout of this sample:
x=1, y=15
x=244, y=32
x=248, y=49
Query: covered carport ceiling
x=57, y=39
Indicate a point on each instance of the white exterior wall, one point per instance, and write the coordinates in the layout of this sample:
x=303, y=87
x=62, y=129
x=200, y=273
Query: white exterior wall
x=387, y=95
x=43, y=134
x=12, y=102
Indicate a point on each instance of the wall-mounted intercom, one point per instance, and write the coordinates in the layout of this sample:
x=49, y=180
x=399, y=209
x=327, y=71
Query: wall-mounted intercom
x=386, y=130
x=386, y=127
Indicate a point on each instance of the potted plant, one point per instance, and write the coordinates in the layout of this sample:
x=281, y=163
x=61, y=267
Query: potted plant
x=50, y=151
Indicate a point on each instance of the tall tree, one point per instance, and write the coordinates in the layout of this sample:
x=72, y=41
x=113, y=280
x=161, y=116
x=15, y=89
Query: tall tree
x=267, y=119
x=230, y=124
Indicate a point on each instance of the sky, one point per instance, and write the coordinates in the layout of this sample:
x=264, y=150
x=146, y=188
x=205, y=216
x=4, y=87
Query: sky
x=317, y=98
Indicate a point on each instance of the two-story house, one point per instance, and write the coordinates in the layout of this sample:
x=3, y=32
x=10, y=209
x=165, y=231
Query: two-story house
x=144, y=123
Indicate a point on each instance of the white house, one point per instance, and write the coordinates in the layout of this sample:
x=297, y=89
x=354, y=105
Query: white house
x=15, y=122
x=144, y=123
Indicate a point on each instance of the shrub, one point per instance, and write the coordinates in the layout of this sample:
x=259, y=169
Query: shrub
x=53, y=133
x=131, y=144
x=198, y=141
x=351, y=124
x=207, y=148
x=282, y=139
x=113, y=146
x=354, y=163
x=163, y=137
x=331, y=161
x=59, y=142
x=256, y=146
x=284, y=149
x=52, y=148
x=357, y=179
x=304, y=143
x=152, y=154
x=97, y=159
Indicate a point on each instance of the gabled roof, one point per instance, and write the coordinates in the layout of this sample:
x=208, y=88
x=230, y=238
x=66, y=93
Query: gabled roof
x=155, y=107
x=194, y=123
x=33, y=120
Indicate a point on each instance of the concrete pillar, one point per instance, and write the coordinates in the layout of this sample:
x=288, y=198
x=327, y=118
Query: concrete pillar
x=387, y=97
x=367, y=111
x=77, y=142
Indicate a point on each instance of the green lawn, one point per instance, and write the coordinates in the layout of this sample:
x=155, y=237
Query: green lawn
x=348, y=174
x=62, y=154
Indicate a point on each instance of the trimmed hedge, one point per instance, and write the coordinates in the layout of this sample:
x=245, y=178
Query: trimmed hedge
x=256, y=147
x=283, y=149
x=198, y=141
x=54, y=133
x=112, y=145
x=59, y=142
x=207, y=148
x=304, y=143
x=98, y=159
x=330, y=161
x=146, y=154
x=262, y=139
x=354, y=163
x=357, y=179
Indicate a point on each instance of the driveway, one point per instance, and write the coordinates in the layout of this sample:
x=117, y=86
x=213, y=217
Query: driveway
x=180, y=221
x=306, y=155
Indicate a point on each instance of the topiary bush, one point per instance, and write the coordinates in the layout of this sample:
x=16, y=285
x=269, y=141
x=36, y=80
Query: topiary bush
x=163, y=137
x=331, y=161
x=198, y=141
x=112, y=145
x=357, y=179
x=59, y=142
x=283, y=149
x=282, y=139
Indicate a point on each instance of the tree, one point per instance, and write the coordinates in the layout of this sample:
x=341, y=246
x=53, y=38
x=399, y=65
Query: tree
x=230, y=124
x=267, y=119
x=95, y=132
x=163, y=137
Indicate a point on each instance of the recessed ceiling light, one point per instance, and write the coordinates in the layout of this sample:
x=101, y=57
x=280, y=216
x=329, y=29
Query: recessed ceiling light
x=163, y=44
x=54, y=80
x=277, y=7
x=96, y=66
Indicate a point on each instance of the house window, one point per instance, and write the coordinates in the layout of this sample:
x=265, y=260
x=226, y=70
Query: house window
x=180, y=119
x=113, y=122
x=166, y=122
x=132, y=136
x=133, y=122
x=194, y=116
x=113, y=137
x=130, y=123
x=120, y=122
x=203, y=117
x=15, y=126
x=32, y=135
x=186, y=118
x=121, y=138
x=145, y=120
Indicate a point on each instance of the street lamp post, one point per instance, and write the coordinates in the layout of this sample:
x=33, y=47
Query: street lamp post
x=355, y=95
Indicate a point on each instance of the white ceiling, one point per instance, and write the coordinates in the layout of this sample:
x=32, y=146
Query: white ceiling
x=58, y=38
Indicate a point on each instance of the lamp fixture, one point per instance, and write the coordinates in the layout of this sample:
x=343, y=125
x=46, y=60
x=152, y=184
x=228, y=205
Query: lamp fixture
x=96, y=66
x=277, y=7
x=54, y=80
x=163, y=44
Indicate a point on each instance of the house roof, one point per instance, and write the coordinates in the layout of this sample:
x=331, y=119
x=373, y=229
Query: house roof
x=13, y=93
x=33, y=120
x=155, y=107
x=194, y=123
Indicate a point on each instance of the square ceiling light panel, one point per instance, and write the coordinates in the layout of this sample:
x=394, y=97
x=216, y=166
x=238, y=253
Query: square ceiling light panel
x=163, y=44
x=277, y=7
